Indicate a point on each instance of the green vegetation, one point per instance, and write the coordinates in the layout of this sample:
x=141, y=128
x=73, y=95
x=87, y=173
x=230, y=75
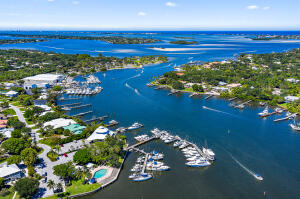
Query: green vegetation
x=110, y=39
x=259, y=75
x=18, y=64
x=276, y=37
x=9, y=111
x=52, y=156
x=8, y=193
x=17, y=41
x=27, y=187
x=77, y=187
x=183, y=42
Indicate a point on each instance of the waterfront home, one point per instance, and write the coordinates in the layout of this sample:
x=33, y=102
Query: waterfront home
x=6, y=132
x=42, y=80
x=276, y=91
x=180, y=74
x=11, y=94
x=233, y=85
x=75, y=128
x=10, y=173
x=220, y=89
x=291, y=98
x=292, y=80
x=100, y=134
x=2, y=116
x=59, y=123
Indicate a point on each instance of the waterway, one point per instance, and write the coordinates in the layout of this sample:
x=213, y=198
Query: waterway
x=268, y=148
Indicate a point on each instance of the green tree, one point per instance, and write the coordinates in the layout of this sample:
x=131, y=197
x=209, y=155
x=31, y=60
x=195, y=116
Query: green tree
x=197, y=88
x=82, y=156
x=14, y=145
x=29, y=156
x=177, y=85
x=1, y=183
x=27, y=187
x=16, y=133
x=15, y=159
x=51, y=184
x=66, y=171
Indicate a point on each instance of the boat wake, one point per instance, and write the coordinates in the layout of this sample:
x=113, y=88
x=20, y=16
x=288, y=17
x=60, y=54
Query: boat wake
x=215, y=110
x=134, y=89
x=255, y=175
x=138, y=75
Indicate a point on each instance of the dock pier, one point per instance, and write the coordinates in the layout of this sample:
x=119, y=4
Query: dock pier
x=145, y=163
x=194, y=94
x=80, y=106
x=207, y=97
x=71, y=104
x=285, y=118
x=82, y=114
x=231, y=99
x=65, y=99
x=97, y=118
x=140, y=143
x=242, y=104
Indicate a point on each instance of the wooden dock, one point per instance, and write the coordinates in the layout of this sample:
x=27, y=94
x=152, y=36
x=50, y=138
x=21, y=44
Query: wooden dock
x=269, y=114
x=242, y=104
x=71, y=104
x=285, y=118
x=209, y=96
x=140, y=143
x=194, y=94
x=80, y=106
x=231, y=99
x=145, y=163
x=65, y=99
x=82, y=114
x=95, y=119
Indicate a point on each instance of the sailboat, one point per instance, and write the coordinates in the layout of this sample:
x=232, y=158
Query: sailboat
x=264, y=113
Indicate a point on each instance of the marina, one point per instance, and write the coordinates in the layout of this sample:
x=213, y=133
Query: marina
x=82, y=114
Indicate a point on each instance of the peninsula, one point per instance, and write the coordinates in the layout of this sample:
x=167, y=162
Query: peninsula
x=183, y=42
x=20, y=41
x=108, y=39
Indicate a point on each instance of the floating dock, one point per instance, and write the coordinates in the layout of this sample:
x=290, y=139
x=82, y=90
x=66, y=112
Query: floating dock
x=285, y=118
x=207, y=97
x=140, y=143
x=242, y=104
x=65, y=99
x=231, y=99
x=194, y=94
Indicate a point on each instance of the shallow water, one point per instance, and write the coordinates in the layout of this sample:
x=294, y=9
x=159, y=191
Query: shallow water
x=268, y=148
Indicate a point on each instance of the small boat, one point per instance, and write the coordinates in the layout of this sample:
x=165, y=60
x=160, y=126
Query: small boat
x=264, y=113
x=295, y=126
x=279, y=110
x=209, y=153
x=135, y=126
x=134, y=175
x=198, y=163
x=258, y=177
x=143, y=177
x=177, y=144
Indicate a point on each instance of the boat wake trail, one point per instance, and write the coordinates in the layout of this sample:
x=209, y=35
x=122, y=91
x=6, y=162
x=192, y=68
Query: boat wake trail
x=211, y=109
x=134, y=89
x=134, y=76
x=255, y=175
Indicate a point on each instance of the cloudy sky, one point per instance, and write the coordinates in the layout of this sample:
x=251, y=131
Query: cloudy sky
x=150, y=14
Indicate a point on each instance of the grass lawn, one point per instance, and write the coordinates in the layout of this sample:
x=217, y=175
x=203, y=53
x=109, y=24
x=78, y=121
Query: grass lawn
x=16, y=103
x=22, y=109
x=29, y=122
x=77, y=187
x=10, y=195
x=9, y=111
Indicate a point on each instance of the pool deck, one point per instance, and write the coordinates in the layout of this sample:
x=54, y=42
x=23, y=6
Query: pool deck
x=110, y=175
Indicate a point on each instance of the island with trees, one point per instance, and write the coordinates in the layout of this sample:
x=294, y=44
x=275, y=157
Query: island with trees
x=20, y=41
x=108, y=39
x=183, y=42
x=273, y=78
x=18, y=64
x=276, y=37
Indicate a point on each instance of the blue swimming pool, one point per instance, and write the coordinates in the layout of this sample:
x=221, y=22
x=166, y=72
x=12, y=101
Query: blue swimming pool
x=100, y=173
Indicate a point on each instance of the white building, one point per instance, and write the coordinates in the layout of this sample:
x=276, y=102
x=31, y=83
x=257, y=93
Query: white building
x=100, y=134
x=42, y=80
x=10, y=172
x=291, y=98
x=292, y=80
x=59, y=123
x=6, y=132
x=11, y=94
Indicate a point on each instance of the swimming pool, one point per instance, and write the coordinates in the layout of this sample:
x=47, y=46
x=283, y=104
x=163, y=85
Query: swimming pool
x=100, y=173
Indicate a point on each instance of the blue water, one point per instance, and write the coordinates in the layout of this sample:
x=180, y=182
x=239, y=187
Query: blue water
x=100, y=173
x=268, y=148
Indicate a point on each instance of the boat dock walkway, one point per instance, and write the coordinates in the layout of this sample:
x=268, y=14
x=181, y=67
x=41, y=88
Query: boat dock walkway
x=80, y=106
x=140, y=151
x=145, y=163
x=269, y=114
x=82, y=114
x=140, y=143
x=231, y=99
x=239, y=105
x=209, y=96
x=65, y=99
x=97, y=118
x=71, y=104
x=194, y=94
x=285, y=118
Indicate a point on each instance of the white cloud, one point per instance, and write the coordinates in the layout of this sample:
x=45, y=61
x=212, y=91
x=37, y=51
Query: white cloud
x=252, y=7
x=266, y=8
x=75, y=2
x=50, y=0
x=142, y=14
x=171, y=4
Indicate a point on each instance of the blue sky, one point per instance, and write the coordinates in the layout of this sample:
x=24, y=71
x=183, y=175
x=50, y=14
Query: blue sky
x=150, y=14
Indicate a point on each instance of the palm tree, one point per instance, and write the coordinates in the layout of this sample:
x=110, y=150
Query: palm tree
x=51, y=184
x=59, y=186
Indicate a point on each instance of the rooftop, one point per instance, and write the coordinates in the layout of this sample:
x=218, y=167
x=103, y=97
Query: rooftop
x=7, y=170
x=60, y=122
x=75, y=128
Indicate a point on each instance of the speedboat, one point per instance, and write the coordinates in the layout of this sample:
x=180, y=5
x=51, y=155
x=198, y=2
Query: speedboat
x=143, y=177
x=258, y=177
x=163, y=168
x=135, y=126
x=295, y=126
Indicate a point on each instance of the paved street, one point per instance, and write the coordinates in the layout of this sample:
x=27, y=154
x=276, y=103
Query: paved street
x=46, y=165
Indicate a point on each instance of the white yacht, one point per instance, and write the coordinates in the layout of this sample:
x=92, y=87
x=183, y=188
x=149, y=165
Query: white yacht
x=135, y=126
x=208, y=153
x=177, y=144
x=197, y=163
x=142, y=177
x=295, y=126
x=264, y=113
